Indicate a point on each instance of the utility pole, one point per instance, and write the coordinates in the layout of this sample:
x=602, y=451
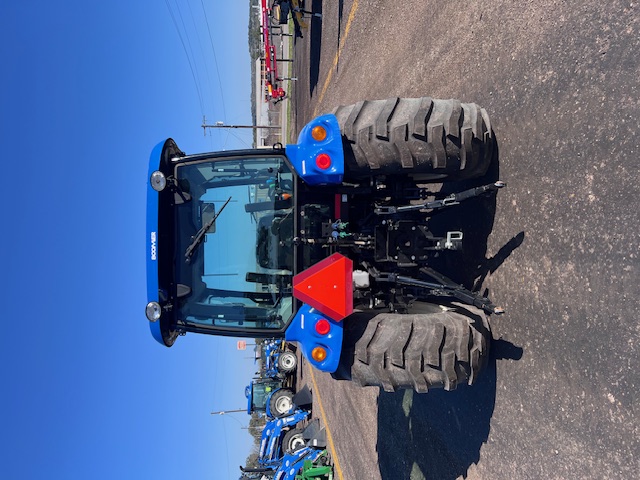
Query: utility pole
x=249, y=427
x=223, y=412
x=222, y=125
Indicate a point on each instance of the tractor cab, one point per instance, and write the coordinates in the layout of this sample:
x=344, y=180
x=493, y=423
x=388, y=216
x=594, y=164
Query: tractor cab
x=271, y=398
x=224, y=240
x=221, y=250
x=258, y=393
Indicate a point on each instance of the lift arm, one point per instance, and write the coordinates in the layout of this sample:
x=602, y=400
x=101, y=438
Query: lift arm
x=453, y=199
x=445, y=286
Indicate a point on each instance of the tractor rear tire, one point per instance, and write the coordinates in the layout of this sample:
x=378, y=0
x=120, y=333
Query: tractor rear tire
x=415, y=351
x=281, y=402
x=431, y=140
x=293, y=440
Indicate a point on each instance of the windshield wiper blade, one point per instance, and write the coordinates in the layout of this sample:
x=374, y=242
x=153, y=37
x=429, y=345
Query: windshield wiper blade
x=197, y=239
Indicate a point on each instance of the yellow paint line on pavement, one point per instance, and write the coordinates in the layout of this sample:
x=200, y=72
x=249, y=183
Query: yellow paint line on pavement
x=352, y=14
x=316, y=396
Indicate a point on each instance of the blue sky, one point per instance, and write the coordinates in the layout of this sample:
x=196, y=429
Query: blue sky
x=87, y=89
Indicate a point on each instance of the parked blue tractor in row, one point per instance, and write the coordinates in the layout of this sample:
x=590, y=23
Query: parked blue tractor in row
x=271, y=398
x=304, y=464
x=282, y=436
x=308, y=463
x=279, y=361
x=292, y=448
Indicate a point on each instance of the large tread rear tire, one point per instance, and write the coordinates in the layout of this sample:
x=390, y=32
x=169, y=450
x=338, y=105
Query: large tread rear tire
x=433, y=140
x=415, y=351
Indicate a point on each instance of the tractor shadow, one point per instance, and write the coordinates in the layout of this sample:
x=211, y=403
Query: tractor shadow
x=440, y=434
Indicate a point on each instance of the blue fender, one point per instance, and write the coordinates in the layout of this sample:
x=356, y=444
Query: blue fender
x=302, y=330
x=306, y=154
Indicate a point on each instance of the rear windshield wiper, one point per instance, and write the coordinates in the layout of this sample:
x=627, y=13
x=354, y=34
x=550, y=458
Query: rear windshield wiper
x=197, y=239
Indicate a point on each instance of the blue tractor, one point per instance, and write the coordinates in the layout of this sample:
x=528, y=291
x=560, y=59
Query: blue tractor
x=282, y=436
x=272, y=393
x=329, y=243
x=269, y=397
x=303, y=464
x=291, y=445
x=278, y=360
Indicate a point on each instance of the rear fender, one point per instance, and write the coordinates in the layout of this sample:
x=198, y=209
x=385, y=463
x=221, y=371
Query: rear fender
x=304, y=156
x=302, y=330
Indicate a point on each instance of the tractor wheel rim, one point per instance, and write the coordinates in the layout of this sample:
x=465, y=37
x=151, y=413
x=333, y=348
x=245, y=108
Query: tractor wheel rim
x=288, y=361
x=283, y=405
x=296, y=443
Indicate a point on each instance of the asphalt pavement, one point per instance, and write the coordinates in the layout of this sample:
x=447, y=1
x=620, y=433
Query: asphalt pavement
x=558, y=248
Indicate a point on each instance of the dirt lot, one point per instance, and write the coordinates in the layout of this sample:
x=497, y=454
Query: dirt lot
x=559, y=249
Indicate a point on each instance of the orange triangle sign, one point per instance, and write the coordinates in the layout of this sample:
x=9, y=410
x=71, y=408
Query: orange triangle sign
x=327, y=286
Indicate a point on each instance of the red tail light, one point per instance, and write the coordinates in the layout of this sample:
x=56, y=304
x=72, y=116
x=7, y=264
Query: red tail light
x=323, y=161
x=323, y=326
